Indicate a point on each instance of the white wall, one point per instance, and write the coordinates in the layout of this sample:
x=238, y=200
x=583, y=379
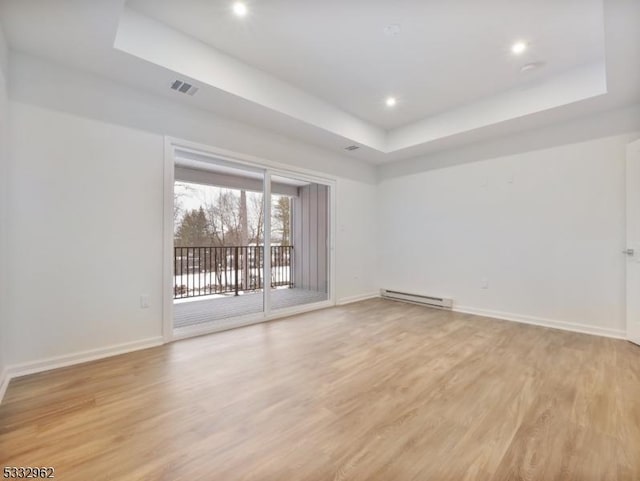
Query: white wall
x=85, y=234
x=4, y=183
x=356, y=240
x=85, y=229
x=56, y=87
x=86, y=207
x=544, y=228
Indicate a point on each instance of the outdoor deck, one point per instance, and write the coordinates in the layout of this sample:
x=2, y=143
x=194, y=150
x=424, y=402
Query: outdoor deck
x=201, y=310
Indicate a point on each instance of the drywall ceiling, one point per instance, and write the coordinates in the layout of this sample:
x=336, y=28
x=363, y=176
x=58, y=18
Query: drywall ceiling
x=446, y=54
x=320, y=71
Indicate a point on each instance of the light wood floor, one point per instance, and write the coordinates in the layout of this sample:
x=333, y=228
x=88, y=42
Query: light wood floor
x=371, y=391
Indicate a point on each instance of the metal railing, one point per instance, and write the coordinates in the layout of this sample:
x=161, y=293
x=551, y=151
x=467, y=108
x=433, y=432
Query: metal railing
x=203, y=271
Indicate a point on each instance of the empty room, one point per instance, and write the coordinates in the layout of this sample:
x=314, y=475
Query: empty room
x=320, y=240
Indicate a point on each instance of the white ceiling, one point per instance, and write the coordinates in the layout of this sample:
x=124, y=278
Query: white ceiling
x=447, y=53
x=319, y=70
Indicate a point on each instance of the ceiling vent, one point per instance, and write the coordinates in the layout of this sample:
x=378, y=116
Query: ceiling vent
x=183, y=87
x=352, y=147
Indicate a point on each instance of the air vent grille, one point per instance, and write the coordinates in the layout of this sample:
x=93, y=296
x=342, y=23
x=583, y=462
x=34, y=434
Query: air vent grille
x=352, y=147
x=183, y=87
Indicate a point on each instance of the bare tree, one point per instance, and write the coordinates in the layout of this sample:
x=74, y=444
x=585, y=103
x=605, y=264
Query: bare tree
x=256, y=217
x=180, y=190
x=244, y=238
x=282, y=219
x=224, y=217
x=244, y=226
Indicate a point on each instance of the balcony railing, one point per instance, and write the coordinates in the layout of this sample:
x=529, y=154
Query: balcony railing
x=204, y=271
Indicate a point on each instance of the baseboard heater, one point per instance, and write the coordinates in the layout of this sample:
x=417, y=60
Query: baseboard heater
x=430, y=301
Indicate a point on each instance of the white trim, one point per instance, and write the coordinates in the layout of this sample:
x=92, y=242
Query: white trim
x=632, y=241
x=4, y=383
x=361, y=297
x=217, y=326
x=539, y=321
x=32, y=367
x=167, y=242
x=333, y=229
x=266, y=221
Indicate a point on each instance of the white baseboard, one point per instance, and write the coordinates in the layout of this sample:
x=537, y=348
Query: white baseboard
x=538, y=321
x=358, y=298
x=17, y=370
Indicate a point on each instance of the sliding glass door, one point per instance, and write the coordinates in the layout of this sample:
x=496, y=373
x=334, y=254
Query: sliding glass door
x=248, y=242
x=299, y=242
x=218, y=243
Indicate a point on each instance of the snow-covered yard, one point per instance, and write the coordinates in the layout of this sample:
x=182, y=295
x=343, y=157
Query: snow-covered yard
x=221, y=281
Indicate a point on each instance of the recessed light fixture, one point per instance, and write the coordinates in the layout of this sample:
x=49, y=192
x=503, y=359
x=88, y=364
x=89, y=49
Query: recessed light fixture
x=391, y=101
x=240, y=9
x=518, y=48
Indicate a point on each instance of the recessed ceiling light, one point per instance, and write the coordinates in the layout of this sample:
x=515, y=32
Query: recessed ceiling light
x=391, y=101
x=518, y=48
x=240, y=9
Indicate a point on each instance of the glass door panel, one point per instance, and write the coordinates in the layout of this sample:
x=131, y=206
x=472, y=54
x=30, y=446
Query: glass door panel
x=299, y=250
x=218, y=244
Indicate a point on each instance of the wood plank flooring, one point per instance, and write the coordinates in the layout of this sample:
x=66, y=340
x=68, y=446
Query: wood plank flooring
x=376, y=390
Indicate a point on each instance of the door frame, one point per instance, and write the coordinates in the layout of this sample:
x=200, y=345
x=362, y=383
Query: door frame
x=632, y=278
x=174, y=145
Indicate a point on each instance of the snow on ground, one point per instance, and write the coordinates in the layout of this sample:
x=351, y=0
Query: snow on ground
x=195, y=283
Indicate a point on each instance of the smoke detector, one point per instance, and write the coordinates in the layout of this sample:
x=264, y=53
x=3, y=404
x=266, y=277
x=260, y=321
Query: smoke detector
x=392, y=30
x=183, y=87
